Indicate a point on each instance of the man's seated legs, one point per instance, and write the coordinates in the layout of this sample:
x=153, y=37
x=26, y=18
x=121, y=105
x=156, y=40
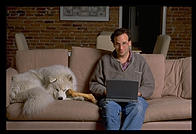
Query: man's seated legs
x=110, y=112
x=134, y=114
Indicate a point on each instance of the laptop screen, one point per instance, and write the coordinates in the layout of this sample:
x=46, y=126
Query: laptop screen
x=122, y=90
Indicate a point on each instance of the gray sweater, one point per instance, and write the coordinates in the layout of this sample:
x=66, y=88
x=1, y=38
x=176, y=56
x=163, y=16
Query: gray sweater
x=109, y=68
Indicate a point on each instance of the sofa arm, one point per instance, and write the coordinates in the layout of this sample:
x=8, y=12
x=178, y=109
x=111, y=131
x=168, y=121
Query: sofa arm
x=9, y=73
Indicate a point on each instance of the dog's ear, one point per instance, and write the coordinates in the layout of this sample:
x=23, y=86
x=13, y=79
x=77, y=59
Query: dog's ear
x=52, y=79
x=70, y=78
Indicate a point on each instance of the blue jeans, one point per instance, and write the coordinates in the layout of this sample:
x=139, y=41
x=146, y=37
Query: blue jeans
x=123, y=116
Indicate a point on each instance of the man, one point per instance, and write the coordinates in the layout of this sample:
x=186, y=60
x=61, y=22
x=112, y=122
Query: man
x=122, y=64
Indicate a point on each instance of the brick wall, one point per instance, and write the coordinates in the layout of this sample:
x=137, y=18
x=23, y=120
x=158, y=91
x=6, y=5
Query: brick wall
x=43, y=29
x=179, y=27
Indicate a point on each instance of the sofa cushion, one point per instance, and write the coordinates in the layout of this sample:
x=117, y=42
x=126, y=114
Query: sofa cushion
x=71, y=110
x=168, y=108
x=156, y=63
x=178, y=79
x=160, y=109
x=82, y=63
x=37, y=58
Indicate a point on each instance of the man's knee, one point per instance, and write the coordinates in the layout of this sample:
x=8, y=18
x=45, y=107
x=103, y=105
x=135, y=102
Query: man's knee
x=142, y=104
x=111, y=107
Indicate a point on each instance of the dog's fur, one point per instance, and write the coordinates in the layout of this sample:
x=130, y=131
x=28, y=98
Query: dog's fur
x=38, y=88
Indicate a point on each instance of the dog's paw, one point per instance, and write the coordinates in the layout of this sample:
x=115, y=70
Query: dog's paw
x=15, y=100
x=12, y=97
x=79, y=98
x=68, y=99
x=12, y=100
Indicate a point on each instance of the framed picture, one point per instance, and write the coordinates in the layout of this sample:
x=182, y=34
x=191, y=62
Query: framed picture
x=84, y=13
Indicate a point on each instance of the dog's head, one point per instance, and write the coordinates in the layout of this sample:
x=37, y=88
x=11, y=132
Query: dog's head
x=59, y=85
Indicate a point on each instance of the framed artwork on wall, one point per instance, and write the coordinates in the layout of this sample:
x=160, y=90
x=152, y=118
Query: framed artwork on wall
x=84, y=13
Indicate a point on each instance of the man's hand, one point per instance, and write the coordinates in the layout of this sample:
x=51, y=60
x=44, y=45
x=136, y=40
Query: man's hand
x=139, y=94
x=104, y=93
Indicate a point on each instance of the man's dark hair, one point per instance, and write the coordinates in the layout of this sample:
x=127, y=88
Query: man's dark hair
x=118, y=32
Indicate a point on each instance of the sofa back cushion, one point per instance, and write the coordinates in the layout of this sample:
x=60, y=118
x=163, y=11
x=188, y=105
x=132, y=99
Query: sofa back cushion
x=37, y=58
x=178, y=79
x=83, y=62
x=156, y=63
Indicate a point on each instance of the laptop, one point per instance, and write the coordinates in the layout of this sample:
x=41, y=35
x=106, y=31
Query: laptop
x=121, y=90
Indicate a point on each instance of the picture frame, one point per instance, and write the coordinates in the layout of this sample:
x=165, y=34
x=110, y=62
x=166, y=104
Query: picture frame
x=84, y=13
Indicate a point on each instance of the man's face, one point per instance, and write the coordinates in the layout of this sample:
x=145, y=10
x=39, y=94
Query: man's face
x=122, y=44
